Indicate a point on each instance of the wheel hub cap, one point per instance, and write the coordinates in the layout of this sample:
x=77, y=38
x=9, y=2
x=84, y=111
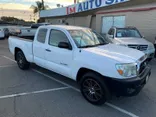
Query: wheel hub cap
x=20, y=61
x=92, y=90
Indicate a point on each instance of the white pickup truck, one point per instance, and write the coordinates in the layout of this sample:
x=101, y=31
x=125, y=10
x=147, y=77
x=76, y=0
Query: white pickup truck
x=75, y=52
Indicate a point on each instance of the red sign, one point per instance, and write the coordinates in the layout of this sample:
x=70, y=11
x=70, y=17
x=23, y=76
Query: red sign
x=71, y=10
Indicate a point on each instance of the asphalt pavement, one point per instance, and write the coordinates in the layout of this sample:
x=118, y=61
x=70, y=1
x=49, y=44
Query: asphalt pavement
x=38, y=92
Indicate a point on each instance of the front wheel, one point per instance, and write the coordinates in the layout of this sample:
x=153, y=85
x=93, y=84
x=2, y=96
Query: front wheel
x=94, y=89
x=21, y=61
x=2, y=38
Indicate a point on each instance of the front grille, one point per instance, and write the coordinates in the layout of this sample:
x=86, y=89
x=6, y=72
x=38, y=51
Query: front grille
x=143, y=66
x=139, y=47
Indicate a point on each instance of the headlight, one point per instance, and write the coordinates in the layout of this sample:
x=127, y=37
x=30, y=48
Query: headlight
x=127, y=70
x=151, y=46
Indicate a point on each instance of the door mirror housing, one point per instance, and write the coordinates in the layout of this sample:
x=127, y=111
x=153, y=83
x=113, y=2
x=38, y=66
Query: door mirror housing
x=65, y=45
x=111, y=36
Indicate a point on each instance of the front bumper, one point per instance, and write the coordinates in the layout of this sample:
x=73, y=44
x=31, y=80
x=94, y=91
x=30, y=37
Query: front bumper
x=130, y=87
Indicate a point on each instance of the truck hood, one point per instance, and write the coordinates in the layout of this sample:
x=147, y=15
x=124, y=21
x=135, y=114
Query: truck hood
x=118, y=53
x=132, y=40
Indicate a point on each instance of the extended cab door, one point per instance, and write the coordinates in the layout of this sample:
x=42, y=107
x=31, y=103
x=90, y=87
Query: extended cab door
x=39, y=47
x=58, y=59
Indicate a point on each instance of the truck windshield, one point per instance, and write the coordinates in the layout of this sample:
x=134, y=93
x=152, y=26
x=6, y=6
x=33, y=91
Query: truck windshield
x=102, y=37
x=86, y=38
x=126, y=32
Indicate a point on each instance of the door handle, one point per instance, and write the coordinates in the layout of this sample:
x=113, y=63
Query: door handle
x=48, y=50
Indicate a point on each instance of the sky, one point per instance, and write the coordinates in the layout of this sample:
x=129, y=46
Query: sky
x=25, y=4
x=21, y=8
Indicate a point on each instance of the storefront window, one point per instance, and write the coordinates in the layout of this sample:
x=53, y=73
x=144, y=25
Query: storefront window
x=108, y=22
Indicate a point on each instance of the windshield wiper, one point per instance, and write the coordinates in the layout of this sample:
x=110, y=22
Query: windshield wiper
x=101, y=44
x=87, y=46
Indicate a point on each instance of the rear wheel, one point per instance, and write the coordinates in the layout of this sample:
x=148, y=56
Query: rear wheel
x=2, y=38
x=94, y=89
x=21, y=61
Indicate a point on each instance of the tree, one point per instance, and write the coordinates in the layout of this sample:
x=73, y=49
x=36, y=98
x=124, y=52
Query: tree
x=39, y=6
x=13, y=20
x=43, y=4
x=59, y=5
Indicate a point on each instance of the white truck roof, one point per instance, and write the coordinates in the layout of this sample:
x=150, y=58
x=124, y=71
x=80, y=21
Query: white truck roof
x=67, y=27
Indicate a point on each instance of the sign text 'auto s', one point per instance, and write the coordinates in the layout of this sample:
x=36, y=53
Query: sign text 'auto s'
x=91, y=4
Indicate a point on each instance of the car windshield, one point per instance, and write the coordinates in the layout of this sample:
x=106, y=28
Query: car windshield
x=125, y=32
x=85, y=38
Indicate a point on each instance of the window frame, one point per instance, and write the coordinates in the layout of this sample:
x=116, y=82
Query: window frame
x=110, y=31
x=45, y=36
x=113, y=32
x=112, y=16
x=130, y=29
x=63, y=33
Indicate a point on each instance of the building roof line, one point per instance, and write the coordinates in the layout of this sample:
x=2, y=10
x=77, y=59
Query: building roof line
x=128, y=10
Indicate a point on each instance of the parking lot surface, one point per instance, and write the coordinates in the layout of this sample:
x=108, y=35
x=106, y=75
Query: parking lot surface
x=41, y=93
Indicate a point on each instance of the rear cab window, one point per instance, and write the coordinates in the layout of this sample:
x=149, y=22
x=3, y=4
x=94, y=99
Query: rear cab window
x=41, y=37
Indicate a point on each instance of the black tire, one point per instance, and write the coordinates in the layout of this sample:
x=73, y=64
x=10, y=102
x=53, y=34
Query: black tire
x=21, y=61
x=2, y=38
x=94, y=89
x=6, y=37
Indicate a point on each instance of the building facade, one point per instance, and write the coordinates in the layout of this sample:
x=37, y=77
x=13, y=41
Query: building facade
x=138, y=13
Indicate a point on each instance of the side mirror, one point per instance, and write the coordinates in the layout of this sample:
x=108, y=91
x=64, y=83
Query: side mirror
x=111, y=36
x=65, y=45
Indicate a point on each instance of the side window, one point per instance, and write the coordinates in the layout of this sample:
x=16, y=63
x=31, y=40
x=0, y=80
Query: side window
x=56, y=37
x=111, y=32
x=41, y=37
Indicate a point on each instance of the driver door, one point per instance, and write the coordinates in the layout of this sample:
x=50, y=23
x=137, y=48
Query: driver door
x=58, y=59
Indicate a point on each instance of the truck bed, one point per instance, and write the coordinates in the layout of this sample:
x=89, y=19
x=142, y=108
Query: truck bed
x=24, y=44
x=25, y=37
